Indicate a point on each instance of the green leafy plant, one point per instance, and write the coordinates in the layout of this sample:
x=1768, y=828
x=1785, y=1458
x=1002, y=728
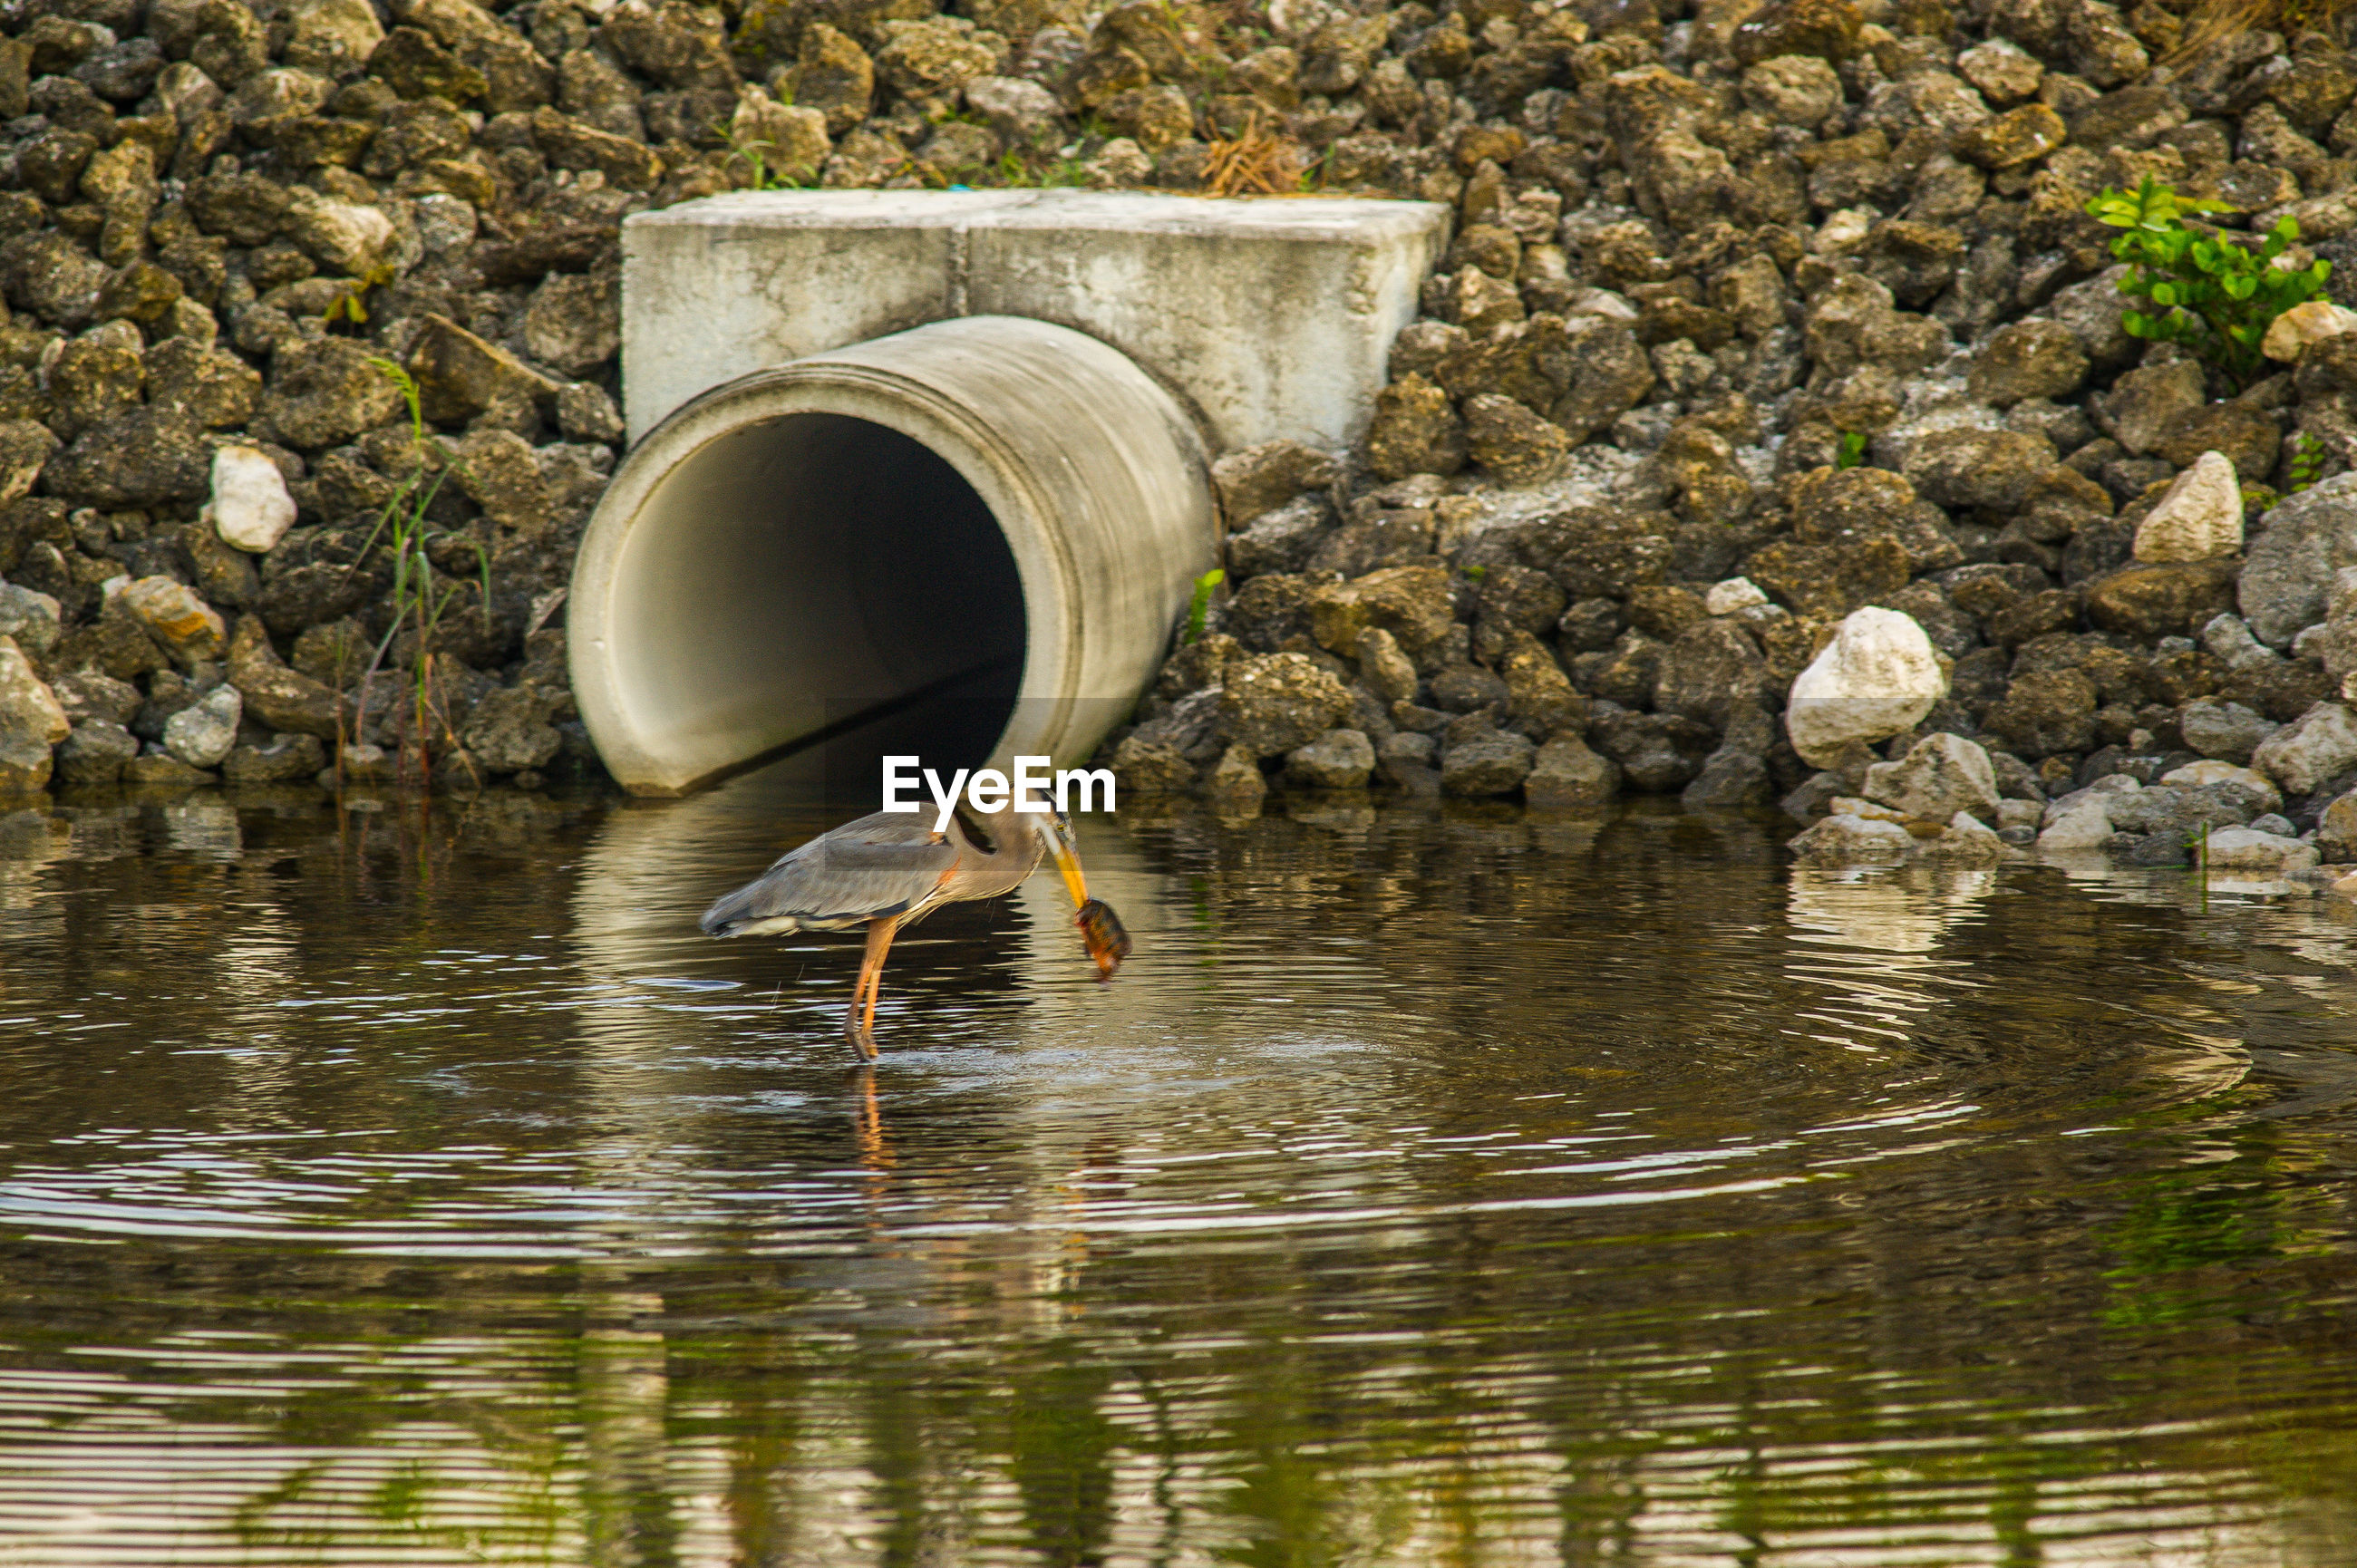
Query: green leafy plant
x=754, y=156
x=419, y=594
x=1201, y=606
x=1057, y=173
x=352, y=304
x=2214, y=293
x=2307, y=462
x=1852, y=450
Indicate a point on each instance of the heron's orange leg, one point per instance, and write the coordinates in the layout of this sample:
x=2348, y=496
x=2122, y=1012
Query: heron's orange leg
x=860, y=1027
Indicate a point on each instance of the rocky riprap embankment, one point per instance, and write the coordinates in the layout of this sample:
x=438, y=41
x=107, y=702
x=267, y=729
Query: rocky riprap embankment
x=1601, y=539
x=1593, y=540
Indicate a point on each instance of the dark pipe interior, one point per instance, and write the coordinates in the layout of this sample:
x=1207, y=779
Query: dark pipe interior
x=842, y=570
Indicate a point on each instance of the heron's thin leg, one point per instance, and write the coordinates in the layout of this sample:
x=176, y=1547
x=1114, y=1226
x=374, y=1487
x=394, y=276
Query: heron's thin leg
x=861, y=1024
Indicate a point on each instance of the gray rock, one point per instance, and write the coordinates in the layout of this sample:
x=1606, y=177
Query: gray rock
x=1711, y=668
x=31, y=619
x=278, y=760
x=2032, y=359
x=509, y=732
x=2287, y=576
x=323, y=393
x=147, y=457
x=1941, y=776
x=1489, y=761
x=574, y=321
x=1965, y=841
x=1151, y=767
x=1565, y=773
x=1259, y=479
x=31, y=722
x=2250, y=851
x=2142, y=403
x=205, y=733
x=1658, y=753
x=1338, y=759
x=1992, y=469
x=1854, y=841
x=1235, y=786
x=1387, y=672
x=281, y=698
x=2178, y=812
x=95, y=752
x=2093, y=310
x=87, y=695
x=2322, y=745
x=1280, y=539
x=1516, y=447
x=2336, y=829
x=1274, y=703
x=1729, y=778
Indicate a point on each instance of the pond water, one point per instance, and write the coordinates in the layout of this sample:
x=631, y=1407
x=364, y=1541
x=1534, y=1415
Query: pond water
x=1433, y=1187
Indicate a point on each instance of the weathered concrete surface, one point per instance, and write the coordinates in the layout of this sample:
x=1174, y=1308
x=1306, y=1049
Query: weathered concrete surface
x=815, y=542
x=1268, y=318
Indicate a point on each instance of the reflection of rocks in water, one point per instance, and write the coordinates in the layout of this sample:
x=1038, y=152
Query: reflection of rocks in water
x=203, y=826
x=1885, y=911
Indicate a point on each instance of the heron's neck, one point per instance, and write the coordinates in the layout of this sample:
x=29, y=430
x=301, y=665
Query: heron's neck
x=1016, y=832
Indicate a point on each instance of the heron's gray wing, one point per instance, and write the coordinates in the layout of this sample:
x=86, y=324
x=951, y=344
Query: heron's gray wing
x=864, y=870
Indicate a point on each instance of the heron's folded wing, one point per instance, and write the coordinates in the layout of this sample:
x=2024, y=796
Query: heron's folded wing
x=840, y=875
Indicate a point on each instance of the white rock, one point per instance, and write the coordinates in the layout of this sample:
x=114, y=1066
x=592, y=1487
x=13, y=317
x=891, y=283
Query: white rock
x=1941, y=776
x=2248, y=849
x=2302, y=325
x=1854, y=806
x=2084, y=827
x=2020, y=813
x=2193, y=775
x=206, y=732
x=2320, y=745
x=1735, y=594
x=1878, y=678
x=1845, y=840
x=2200, y=517
x=250, y=506
x=1601, y=302
x=1966, y=841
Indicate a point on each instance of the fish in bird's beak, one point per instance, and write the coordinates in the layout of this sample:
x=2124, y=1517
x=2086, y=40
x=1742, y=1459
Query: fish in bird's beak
x=1101, y=929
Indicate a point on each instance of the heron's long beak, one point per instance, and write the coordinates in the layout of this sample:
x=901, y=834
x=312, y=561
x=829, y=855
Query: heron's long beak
x=1068, y=860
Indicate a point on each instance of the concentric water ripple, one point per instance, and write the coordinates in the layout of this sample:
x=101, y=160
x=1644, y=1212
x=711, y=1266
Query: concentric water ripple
x=1460, y=1188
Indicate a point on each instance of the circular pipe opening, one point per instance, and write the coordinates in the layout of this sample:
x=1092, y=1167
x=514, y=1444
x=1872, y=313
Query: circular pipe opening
x=966, y=541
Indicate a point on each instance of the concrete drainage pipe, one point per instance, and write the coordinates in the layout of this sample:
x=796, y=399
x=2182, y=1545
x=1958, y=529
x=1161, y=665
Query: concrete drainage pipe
x=990, y=521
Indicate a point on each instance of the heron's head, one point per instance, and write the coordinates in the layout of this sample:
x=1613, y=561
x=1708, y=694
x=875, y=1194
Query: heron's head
x=1058, y=830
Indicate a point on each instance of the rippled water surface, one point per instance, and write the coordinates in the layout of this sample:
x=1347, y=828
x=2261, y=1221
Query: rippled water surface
x=1433, y=1187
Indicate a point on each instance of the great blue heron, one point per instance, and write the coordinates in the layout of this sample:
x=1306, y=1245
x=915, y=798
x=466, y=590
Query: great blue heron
x=891, y=870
